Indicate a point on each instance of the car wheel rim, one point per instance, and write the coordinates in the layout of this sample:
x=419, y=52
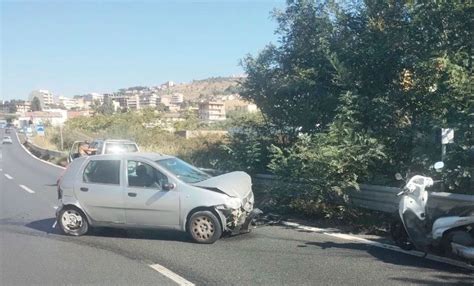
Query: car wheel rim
x=203, y=228
x=71, y=220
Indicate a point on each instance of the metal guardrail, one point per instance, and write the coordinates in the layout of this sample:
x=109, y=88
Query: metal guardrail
x=373, y=197
x=384, y=199
x=39, y=152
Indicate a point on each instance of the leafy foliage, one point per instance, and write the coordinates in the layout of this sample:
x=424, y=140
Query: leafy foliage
x=35, y=104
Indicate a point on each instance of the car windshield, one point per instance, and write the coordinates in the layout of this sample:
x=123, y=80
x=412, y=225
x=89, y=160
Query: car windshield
x=115, y=148
x=182, y=170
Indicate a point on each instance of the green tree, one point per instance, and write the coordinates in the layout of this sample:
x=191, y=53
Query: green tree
x=107, y=107
x=36, y=104
x=296, y=83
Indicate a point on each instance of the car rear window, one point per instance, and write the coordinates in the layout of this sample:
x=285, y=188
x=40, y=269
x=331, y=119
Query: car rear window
x=102, y=172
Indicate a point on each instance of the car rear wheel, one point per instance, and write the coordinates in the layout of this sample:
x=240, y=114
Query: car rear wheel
x=204, y=227
x=73, y=222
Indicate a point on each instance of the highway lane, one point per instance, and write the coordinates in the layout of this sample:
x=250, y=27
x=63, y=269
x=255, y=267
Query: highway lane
x=33, y=252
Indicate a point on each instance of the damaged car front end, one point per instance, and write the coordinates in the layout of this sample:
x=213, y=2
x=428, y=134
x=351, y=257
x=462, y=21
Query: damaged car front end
x=238, y=214
x=237, y=211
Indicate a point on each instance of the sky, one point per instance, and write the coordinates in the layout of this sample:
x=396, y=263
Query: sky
x=78, y=47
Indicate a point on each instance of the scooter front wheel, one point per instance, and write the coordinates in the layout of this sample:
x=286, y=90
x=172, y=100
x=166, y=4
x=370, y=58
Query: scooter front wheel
x=400, y=236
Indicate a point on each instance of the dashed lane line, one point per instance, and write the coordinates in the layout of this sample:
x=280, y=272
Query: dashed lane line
x=171, y=275
x=27, y=189
x=8, y=176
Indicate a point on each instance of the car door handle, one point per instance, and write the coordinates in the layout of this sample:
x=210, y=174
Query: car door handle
x=132, y=194
x=84, y=189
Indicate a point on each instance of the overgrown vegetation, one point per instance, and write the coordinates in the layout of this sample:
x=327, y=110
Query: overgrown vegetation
x=351, y=94
x=361, y=91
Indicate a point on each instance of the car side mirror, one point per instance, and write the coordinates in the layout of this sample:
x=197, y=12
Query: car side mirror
x=168, y=186
x=398, y=176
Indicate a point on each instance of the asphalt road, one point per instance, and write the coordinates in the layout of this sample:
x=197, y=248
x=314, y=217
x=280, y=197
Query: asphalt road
x=32, y=252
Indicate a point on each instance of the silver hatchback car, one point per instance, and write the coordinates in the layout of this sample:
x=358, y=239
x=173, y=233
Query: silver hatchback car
x=149, y=190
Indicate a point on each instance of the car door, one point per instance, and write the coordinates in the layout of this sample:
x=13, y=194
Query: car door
x=147, y=202
x=100, y=192
x=74, y=151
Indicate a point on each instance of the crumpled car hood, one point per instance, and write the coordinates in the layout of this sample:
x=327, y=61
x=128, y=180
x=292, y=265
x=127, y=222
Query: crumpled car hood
x=234, y=184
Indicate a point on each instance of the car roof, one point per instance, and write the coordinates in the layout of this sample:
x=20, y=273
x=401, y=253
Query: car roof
x=134, y=155
x=114, y=140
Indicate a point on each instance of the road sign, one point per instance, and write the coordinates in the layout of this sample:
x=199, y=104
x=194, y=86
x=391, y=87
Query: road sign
x=447, y=136
x=40, y=130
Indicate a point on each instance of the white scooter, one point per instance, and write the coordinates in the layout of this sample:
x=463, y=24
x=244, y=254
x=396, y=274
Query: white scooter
x=447, y=235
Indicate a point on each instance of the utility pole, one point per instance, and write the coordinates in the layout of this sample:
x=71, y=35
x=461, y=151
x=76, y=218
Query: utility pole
x=61, y=135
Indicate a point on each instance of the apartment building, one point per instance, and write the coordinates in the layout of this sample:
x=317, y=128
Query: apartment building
x=23, y=107
x=211, y=111
x=44, y=96
x=68, y=103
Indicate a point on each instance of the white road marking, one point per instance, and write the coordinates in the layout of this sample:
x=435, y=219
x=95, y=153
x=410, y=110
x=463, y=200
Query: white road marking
x=28, y=151
x=55, y=207
x=344, y=236
x=1, y=170
x=54, y=224
x=27, y=189
x=8, y=176
x=171, y=275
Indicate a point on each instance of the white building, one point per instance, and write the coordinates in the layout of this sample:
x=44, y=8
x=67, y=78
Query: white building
x=177, y=98
x=45, y=97
x=250, y=108
x=22, y=108
x=69, y=103
x=211, y=111
x=148, y=101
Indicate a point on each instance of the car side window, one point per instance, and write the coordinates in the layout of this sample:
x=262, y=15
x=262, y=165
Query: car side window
x=102, y=172
x=145, y=176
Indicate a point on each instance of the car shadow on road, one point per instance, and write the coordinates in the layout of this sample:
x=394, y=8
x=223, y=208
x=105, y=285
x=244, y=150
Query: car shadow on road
x=451, y=274
x=46, y=226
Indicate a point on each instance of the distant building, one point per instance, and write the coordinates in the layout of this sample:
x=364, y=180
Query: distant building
x=250, y=108
x=240, y=105
x=45, y=97
x=133, y=102
x=121, y=100
x=211, y=111
x=55, y=117
x=148, y=101
x=167, y=84
x=23, y=107
x=177, y=98
x=77, y=113
x=68, y=103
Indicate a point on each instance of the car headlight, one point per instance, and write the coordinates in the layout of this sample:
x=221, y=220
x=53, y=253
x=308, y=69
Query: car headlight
x=233, y=203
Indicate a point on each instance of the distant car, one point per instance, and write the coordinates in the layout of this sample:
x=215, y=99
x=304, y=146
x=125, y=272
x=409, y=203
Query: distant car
x=109, y=146
x=7, y=131
x=7, y=140
x=148, y=190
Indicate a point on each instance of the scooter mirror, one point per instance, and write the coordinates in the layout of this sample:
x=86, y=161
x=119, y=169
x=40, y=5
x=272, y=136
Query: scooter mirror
x=398, y=176
x=439, y=165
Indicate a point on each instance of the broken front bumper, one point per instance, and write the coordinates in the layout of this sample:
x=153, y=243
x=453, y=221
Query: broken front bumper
x=237, y=220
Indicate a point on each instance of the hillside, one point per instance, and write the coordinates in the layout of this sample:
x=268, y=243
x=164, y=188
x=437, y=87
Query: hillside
x=206, y=87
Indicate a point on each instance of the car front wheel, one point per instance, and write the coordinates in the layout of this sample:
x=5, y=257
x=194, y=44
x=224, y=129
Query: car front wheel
x=204, y=227
x=73, y=222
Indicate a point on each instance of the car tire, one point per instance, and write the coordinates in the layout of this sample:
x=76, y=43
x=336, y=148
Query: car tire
x=204, y=227
x=73, y=222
